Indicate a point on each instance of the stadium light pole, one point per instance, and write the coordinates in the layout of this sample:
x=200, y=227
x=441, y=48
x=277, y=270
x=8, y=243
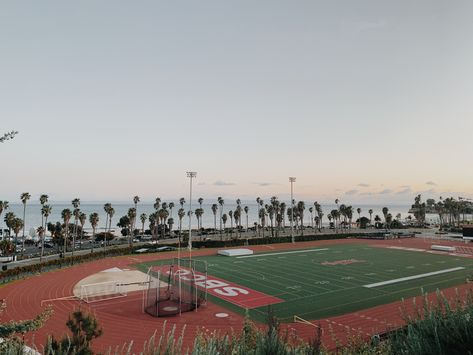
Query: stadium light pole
x=191, y=175
x=292, y=180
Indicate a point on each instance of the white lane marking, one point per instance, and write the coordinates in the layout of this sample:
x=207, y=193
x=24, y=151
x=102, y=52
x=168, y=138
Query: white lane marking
x=389, y=282
x=280, y=253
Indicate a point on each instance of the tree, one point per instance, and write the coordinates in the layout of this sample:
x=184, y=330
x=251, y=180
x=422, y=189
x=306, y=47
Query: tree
x=181, y=213
x=7, y=136
x=24, y=197
x=143, y=218
x=76, y=213
x=370, y=211
x=94, y=221
x=43, y=199
x=84, y=329
x=111, y=213
x=246, y=209
x=385, y=214
x=170, y=223
x=66, y=216
x=214, y=211
x=358, y=210
x=419, y=209
x=17, y=224
x=230, y=214
x=300, y=212
x=171, y=206
x=224, y=220
x=136, y=199
x=221, y=202
x=3, y=207
x=6, y=247
x=132, y=218
x=45, y=212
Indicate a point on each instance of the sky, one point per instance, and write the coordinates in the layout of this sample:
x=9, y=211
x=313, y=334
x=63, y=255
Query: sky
x=365, y=101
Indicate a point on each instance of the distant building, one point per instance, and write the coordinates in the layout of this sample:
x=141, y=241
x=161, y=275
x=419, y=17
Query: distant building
x=468, y=230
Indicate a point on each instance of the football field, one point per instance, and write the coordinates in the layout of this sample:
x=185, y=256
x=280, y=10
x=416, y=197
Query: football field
x=321, y=282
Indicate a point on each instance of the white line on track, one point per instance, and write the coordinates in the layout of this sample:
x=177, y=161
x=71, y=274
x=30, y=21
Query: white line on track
x=389, y=282
x=280, y=253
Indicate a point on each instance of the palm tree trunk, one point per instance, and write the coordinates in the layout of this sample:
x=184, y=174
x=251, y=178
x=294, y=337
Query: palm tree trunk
x=24, y=225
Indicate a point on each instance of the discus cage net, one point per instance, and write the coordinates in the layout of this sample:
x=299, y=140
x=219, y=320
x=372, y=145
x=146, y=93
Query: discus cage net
x=176, y=288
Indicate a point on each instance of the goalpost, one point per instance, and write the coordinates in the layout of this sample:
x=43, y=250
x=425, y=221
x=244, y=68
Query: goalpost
x=102, y=291
x=298, y=319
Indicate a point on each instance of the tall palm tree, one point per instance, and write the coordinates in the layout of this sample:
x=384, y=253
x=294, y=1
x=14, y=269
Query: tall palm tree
x=106, y=208
x=3, y=207
x=262, y=217
x=200, y=201
x=214, y=211
x=224, y=220
x=237, y=216
x=282, y=208
x=182, y=201
x=45, y=213
x=230, y=214
x=221, y=202
x=300, y=212
x=17, y=225
x=171, y=206
x=181, y=214
x=24, y=197
x=40, y=231
x=43, y=199
x=370, y=211
x=358, y=210
x=311, y=211
x=82, y=220
x=143, y=218
x=157, y=203
x=385, y=214
x=136, y=199
x=170, y=223
x=246, y=209
x=66, y=216
x=76, y=212
x=111, y=212
x=131, y=217
x=94, y=221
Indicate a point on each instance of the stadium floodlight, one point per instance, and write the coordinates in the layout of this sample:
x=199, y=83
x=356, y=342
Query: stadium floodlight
x=292, y=180
x=190, y=175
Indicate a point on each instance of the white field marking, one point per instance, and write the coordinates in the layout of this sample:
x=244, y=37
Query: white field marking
x=238, y=262
x=294, y=287
x=347, y=278
x=322, y=282
x=427, y=264
x=410, y=267
x=390, y=270
x=370, y=274
x=303, y=255
x=389, y=282
x=280, y=253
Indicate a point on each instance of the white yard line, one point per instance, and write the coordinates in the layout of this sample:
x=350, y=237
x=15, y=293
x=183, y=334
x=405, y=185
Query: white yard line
x=389, y=282
x=280, y=253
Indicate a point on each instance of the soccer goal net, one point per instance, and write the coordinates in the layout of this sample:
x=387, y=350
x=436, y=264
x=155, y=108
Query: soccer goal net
x=176, y=288
x=102, y=291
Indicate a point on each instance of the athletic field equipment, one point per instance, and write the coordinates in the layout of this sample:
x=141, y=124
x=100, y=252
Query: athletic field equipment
x=235, y=252
x=176, y=288
x=102, y=291
x=443, y=248
x=298, y=319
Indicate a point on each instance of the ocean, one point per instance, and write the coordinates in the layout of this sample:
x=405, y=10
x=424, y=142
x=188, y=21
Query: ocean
x=33, y=213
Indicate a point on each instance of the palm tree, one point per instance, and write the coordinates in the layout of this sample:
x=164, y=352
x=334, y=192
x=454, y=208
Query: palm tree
x=214, y=211
x=40, y=231
x=237, y=216
x=181, y=214
x=170, y=223
x=3, y=207
x=136, y=199
x=230, y=214
x=385, y=214
x=157, y=203
x=94, y=221
x=358, y=210
x=17, y=225
x=224, y=220
x=66, y=216
x=246, y=209
x=171, y=206
x=311, y=210
x=262, y=217
x=182, y=201
x=106, y=208
x=152, y=224
x=43, y=199
x=221, y=202
x=24, y=197
x=76, y=213
x=131, y=217
x=200, y=201
x=111, y=212
x=143, y=218
x=82, y=220
x=300, y=211
x=282, y=208
x=370, y=211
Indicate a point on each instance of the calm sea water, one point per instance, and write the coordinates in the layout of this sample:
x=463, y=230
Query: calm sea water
x=33, y=214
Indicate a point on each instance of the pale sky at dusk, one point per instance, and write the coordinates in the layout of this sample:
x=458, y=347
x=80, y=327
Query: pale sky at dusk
x=360, y=100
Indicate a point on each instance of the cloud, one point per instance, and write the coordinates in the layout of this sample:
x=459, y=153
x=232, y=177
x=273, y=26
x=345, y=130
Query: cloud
x=362, y=184
x=223, y=183
x=385, y=191
x=264, y=183
x=366, y=193
x=406, y=190
x=351, y=192
x=431, y=183
x=201, y=183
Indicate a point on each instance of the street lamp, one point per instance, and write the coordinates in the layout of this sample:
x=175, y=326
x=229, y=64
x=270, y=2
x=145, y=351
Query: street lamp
x=292, y=180
x=191, y=175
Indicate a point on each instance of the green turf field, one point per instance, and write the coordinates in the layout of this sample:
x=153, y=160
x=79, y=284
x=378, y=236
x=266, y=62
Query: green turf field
x=313, y=290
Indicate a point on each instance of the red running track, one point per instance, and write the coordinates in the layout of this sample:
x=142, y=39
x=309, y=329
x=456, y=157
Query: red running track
x=123, y=321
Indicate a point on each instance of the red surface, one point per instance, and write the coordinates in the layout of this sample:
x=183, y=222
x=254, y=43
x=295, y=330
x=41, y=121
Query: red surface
x=123, y=321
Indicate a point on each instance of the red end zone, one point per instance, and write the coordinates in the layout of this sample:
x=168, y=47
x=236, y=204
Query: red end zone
x=241, y=296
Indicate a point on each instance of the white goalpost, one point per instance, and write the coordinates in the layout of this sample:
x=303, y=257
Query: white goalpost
x=102, y=291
